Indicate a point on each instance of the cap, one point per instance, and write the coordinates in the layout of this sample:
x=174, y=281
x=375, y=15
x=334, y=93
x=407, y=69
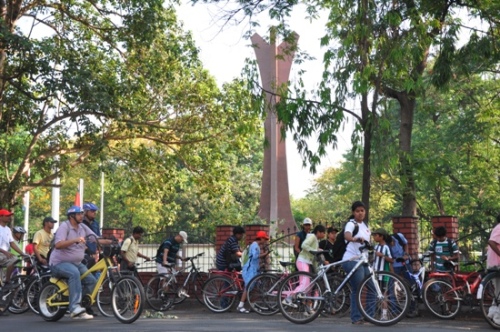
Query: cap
x=262, y=235
x=380, y=231
x=184, y=236
x=48, y=219
x=307, y=221
x=5, y=213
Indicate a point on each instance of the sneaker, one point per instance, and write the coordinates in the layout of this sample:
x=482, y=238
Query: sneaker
x=82, y=316
x=243, y=310
x=91, y=312
x=288, y=302
x=384, y=317
x=78, y=311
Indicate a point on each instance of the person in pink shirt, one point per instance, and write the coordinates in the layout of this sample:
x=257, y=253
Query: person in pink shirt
x=493, y=252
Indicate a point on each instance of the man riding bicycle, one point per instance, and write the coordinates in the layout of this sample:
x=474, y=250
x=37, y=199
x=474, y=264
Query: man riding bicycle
x=6, y=243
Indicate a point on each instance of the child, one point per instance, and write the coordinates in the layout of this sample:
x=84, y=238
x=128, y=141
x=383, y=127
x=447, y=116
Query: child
x=383, y=259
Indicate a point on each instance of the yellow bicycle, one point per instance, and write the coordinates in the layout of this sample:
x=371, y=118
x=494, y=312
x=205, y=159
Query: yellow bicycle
x=127, y=293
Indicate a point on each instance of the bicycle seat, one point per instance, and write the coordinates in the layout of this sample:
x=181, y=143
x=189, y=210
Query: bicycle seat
x=285, y=264
x=318, y=252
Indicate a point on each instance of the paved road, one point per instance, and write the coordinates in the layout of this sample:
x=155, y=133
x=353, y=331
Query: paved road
x=190, y=316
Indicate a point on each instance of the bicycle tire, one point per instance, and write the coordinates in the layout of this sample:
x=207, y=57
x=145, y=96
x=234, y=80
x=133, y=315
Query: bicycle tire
x=195, y=285
x=18, y=303
x=219, y=294
x=51, y=313
x=104, y=298
x=301, y=308
x=337, y=304
x=127, y=299
x=391, y=307
x=33, y=291
x=156, y=296
x=260, y=299
x=179, y=294
x=489, y=299
x=441, y=299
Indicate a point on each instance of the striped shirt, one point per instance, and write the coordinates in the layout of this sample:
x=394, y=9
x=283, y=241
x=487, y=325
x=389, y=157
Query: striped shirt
x=380, y=264
x=231, y=246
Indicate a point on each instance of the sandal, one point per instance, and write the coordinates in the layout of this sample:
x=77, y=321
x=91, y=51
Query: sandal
x=243, y=310
x=359, y=322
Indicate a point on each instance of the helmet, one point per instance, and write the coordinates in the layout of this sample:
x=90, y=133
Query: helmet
x=90, y=206
x=74, y=209
x=19, y=229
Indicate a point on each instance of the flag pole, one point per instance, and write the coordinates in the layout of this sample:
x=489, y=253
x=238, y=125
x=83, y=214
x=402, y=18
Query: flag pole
x=101, y=216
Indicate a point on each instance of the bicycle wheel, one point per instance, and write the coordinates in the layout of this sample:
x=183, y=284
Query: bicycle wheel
x=390, y=306
x=195, y=285
x=127, y=299
x=490, y=299
x=263, y=294
x=51, y=313
x=156, y=294
x=18, y=304
x=219, y=294
x=104, y=298
x=33, y=291
x=340, y=303
x=299, y=298
x=441, y=299
x=178, y=293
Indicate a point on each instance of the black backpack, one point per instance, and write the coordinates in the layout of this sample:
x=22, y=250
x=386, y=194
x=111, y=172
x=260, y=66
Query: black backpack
x=340, y=244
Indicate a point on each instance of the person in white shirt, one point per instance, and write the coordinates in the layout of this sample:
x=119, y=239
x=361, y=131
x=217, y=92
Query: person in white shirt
x=6, y=242
x=352, y=250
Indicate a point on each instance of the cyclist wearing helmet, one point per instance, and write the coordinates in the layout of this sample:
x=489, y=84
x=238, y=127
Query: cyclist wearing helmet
x=17, y=233
x=66, y=260
x=6, y=243
x=89, y=213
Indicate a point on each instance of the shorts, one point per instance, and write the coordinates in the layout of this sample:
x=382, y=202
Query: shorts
x=4, y=261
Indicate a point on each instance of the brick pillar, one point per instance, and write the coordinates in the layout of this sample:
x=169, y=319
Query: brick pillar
x=118, y=233
x=449, y=222
x=251, y=232
x=222, y=233
x=408, y=226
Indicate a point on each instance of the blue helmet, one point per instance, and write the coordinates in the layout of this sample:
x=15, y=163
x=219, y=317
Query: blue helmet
x=74, y=209
x=90, y=206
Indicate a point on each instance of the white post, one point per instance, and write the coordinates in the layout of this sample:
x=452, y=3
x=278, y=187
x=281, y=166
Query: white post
x=101, y=215
x=80, y=188
x=26, y=215
x=56, y=195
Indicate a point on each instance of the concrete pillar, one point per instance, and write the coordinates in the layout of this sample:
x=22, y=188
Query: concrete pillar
x=408, y=226
x=274, y=64
x=449, y=222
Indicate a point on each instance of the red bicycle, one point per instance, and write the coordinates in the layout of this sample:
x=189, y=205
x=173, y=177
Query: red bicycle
x=445, y=292
x=222, y=289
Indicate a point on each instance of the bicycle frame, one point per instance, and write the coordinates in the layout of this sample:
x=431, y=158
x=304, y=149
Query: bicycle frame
x=465, y=289
x=105, y=266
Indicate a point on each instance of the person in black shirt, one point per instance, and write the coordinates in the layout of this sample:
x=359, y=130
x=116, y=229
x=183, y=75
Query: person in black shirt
x=327, y=244
x=230, y=248
x=168, y=251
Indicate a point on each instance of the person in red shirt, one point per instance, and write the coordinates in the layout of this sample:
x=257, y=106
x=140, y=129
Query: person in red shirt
x=29, y=248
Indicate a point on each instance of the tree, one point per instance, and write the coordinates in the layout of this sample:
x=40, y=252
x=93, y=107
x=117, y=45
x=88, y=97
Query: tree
x=78, y=79
x=373, y=48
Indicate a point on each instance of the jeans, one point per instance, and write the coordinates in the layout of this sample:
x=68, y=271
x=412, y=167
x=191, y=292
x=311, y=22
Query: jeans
x=72, y=272
x=355, y=282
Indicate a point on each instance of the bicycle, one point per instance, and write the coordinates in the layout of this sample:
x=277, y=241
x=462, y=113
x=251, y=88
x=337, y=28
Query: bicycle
x=445, y=292
x=127, y=296
x=163, y=290
x=489, y=297
x=11, y=298
x=263, y=291
x=222, y=289
x=415, y=278
x=383, y=297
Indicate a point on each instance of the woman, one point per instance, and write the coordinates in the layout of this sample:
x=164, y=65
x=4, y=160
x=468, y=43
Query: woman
x=252, y=266
x=352, y=250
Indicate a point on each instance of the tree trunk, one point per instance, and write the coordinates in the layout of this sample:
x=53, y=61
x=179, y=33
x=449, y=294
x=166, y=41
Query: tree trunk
x=409, y=200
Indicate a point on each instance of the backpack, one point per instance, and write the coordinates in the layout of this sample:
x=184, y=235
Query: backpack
x=340, y=244
x=53, y=244
x=120, y=244
x=450, y=246
x=398, y=241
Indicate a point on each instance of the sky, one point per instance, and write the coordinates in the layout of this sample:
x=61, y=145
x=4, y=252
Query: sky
x=223, y=53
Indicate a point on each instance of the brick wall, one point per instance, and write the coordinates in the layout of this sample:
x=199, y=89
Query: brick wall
x=408, y=226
